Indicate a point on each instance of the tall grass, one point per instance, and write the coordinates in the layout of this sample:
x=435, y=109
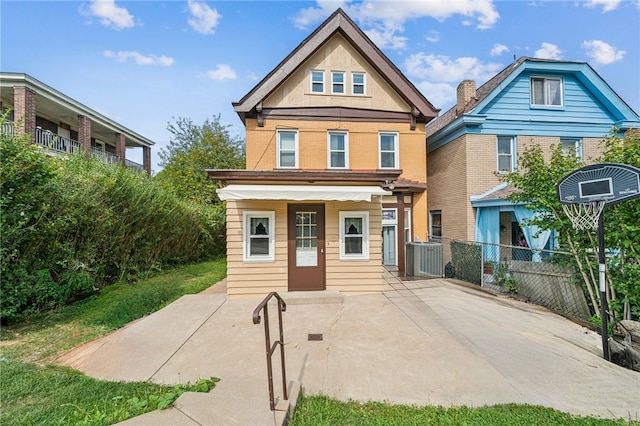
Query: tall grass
x=71, y=226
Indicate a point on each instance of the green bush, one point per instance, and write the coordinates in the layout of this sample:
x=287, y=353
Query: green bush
x=466, y=259
x=71, y=226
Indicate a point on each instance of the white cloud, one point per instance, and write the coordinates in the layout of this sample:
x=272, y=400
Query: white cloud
x=442, y=69
x=607, y=5
x=498, y=49
x=433, y=36
x=386, y=37
x=440, y=94
x=384, y=19
x=203, y=20
x=110, y=15
x=548, y=51
x=138, y=58
x=222, y=72
x=601, y=52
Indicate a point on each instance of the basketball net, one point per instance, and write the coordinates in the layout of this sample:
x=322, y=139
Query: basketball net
x=584, y=215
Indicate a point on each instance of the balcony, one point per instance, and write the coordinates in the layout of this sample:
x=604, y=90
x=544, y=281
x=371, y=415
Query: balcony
x=57, y=145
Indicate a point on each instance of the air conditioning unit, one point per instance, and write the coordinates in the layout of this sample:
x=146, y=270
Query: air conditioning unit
x=424, y=259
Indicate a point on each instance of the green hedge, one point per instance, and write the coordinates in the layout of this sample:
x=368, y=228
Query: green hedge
x=467, y=261
x=70, y=226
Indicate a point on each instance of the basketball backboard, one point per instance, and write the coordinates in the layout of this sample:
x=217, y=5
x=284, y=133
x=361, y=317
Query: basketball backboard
x=608, y=182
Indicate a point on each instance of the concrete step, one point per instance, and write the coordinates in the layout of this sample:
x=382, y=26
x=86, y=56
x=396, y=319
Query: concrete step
x=311, y=297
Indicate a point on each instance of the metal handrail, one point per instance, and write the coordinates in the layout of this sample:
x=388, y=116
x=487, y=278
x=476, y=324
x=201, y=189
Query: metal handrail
x=282, y=306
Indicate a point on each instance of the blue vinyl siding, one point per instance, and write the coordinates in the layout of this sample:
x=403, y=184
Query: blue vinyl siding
x=511, y=110
x=590, y=108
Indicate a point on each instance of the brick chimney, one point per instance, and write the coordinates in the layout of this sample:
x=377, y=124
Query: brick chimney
x=465, y=92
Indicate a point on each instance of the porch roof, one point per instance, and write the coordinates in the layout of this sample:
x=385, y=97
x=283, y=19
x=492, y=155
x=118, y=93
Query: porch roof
x=300, y=192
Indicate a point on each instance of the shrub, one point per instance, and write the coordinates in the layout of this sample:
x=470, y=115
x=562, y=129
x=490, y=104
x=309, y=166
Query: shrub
x=71, y=226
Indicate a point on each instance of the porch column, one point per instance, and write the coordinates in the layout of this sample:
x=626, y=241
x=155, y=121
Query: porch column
x=24, y=104
x=400, y=230
x=146, y=159
x=84, y=133
x=121, y=148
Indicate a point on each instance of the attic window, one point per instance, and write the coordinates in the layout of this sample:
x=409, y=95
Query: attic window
x=546, y=91
x=317, y=81
x=357, y=80
x=337, y=82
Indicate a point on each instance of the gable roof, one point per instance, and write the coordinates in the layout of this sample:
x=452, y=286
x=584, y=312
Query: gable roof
x=340, y=23
x=583, y=72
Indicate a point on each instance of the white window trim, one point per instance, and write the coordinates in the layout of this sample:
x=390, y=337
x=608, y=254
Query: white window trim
x=311, y=81
x=246, y=224
x=344, y=82
x=364, y=84
x=346, y=148
x=431, y=213
x=407, y=216
x=393, y=221
x=396, y=150
x=546, y=78
x=577, y=145
x=365, y=235
x=514, y=154
x=297, y=150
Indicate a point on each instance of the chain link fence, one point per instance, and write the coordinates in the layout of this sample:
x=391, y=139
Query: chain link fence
x=543, y=277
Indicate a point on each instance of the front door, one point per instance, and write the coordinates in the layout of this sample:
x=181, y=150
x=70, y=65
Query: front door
x=305, y=247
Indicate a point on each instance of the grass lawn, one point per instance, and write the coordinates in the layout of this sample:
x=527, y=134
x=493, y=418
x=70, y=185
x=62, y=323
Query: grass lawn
x=321, y=410
x=33, y=391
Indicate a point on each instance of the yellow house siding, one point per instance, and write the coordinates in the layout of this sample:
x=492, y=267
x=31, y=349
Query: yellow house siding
x=354, y=277
x=246, y=279
x=336, y=55
x=255, y=278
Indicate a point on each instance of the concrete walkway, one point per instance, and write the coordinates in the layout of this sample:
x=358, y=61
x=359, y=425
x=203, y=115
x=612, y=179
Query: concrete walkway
x=421, y=342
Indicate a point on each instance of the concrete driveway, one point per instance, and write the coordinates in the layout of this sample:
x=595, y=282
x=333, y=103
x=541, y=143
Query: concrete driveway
x=420, y=342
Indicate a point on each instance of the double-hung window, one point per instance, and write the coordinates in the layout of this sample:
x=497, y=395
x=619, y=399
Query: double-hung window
x=435, y=224
x=571, y=146
x=337, y=82
x=354, y=235
x=358, y=83
x=317, y=81
x=388, y=155
x=546, y=91
x=258, y=236
x=507, y=160
x=287, y=149
x=338, y=149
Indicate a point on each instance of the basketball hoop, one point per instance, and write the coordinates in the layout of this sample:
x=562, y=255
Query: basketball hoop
x=583, y=194
x=585, y=216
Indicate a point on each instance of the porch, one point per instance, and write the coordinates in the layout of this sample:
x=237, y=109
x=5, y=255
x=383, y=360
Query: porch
x=57, y=144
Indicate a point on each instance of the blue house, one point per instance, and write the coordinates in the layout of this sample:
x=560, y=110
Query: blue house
x=547, y=102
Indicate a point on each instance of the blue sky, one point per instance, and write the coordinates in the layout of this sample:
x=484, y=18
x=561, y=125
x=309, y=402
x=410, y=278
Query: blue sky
x=146, y=63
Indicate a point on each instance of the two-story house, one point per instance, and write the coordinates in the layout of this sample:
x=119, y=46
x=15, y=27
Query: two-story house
x=335, y=179
x=63, y=125
x=547, y=102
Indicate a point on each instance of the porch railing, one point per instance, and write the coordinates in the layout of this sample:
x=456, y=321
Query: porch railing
x=264, y=306
x=105, y=156
x=7, y=128
x=55, y=142
x=133, y=165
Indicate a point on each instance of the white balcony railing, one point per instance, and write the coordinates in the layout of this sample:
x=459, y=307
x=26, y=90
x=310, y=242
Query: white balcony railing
x=55, y=142
x=59, y=144
x=7, y=128
x=105, y=156
x=133, y=165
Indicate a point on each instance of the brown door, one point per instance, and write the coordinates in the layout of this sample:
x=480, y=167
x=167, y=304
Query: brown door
x=306, y=246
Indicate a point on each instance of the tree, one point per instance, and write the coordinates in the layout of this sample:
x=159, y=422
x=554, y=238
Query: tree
x=536, y=181
x=191, y=150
